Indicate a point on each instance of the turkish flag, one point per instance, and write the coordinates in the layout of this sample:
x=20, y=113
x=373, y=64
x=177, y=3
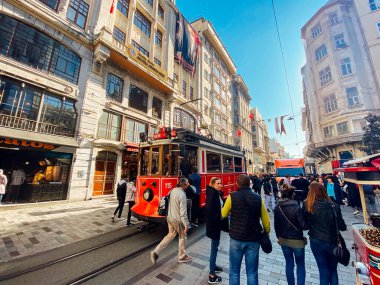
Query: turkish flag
x=112, y=7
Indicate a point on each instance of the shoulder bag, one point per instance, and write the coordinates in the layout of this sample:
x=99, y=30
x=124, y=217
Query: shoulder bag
x=340, y=252
x=304, y=238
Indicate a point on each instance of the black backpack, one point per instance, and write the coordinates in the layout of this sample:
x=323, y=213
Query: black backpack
x=163, y=207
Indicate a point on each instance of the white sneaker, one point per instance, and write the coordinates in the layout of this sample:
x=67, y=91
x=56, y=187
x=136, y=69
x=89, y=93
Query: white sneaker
x=356, y=212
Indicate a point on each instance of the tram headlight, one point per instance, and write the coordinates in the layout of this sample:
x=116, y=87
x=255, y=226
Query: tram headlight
x=148, y=194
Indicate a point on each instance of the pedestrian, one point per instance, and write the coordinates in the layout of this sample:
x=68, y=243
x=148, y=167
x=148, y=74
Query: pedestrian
x=333, y=190
x=121, y=192
x=178, y=223
x=196, y=182
x=274, y=186
x=301, y=186
x=269, y=194
x=257, y=184
x=213, y=215
x=3, y=184
x=289, y=224
x=287, y=180
x=323, y=179
x=246, y=208
x=370, y=197
x=190, y=194
x=130, y=198
x=323, y=234
x=353, y=197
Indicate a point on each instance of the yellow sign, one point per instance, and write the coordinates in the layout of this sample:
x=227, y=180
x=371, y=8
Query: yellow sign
x=23, y=143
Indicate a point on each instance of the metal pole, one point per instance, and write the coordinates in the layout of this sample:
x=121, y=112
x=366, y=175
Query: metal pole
x=364, y=205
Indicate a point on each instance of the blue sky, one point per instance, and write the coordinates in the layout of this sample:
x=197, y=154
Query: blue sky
x=248, y=31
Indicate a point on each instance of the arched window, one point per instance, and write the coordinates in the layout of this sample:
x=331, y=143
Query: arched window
x=183, y=119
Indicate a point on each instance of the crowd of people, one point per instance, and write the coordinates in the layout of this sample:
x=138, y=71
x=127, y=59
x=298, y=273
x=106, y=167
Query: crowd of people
x=302, y=204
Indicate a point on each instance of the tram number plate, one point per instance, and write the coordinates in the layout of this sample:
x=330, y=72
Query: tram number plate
x=374, y=261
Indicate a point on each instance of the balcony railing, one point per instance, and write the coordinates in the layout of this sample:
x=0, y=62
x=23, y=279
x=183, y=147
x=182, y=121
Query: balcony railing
x=34, y=126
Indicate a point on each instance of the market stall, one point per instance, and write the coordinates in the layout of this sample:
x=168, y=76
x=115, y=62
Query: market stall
x=365, y=172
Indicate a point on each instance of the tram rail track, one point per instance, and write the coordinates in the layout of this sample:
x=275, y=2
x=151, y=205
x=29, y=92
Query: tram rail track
x=11, y=276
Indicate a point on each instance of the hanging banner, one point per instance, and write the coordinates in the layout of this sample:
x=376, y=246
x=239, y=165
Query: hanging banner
x=282, y=125
x=187, y=44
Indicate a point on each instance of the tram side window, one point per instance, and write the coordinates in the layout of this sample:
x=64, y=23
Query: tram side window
x=228, y=165
x=144, y=162
x=155, y=161
x=238, y=164
x=213, y=162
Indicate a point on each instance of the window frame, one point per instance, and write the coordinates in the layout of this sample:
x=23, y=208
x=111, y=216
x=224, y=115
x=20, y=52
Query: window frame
x=321, y=52
x=142, y=23
x=328, y=132
x=140, y=48
x=111, y=79
x=123, y=7
x=346, y=67
x=374, y=5
x=109, y=126
x=150, y=3
x=210, y=168
x=71, y=5
x=330, y=103
x=339, y=129
x=158, y=38
x=353, y=97
x=157, y=61
x=316, y=31
x=333, y=19
x=140, y=92
x=325, y=76
x=161, y=12
x=159, y=108
x=117, y=32
x=340, y=42
x=184, y=88
x=46, y=2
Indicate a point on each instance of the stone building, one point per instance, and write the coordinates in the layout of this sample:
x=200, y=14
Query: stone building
x=339, y=80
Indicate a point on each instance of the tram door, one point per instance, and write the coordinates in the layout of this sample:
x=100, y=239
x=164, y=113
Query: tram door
x=105, y=168
x=189, y=159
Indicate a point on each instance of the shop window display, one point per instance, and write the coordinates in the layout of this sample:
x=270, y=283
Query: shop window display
x=35, y=176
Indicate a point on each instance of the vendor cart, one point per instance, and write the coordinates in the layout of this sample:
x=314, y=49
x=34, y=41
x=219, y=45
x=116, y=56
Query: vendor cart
x=365, y=171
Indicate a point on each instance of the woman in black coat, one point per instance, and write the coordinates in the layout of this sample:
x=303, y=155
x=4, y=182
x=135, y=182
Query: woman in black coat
x=213, y=213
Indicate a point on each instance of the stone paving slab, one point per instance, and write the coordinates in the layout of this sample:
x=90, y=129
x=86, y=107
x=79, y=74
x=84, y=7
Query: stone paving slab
x=46, y=226
x=271, y=266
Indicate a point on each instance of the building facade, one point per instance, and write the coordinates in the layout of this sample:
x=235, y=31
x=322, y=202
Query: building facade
x=45, y=57
x=242, y=120
x=216, y=70
x=261, y=153
x=339, y=82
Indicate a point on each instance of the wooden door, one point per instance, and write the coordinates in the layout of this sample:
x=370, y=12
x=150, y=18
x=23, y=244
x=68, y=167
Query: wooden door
x=104, y=178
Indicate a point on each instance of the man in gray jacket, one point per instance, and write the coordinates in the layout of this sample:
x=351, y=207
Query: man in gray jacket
x=178, y=222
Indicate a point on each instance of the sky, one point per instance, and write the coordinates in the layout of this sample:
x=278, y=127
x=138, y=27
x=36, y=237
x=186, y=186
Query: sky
x=247, y=29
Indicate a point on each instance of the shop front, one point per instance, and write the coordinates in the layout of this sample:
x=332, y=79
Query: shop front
x=130, y=161
x=36, y=171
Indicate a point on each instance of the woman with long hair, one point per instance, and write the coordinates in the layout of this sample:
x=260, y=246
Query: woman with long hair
x=213, y=213
x=320, y=217
x=289, y=224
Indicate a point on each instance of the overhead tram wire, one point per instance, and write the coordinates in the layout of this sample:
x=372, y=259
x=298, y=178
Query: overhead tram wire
x=286, y=74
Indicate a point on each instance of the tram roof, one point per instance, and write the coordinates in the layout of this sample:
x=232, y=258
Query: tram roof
x=186, y=136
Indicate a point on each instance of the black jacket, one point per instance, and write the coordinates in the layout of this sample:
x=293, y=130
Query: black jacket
x=245, y=215
x=294, y=214
x=322, y=221
x=301, y=184
x=213, y=213
x=121, y=190
x=267, y=187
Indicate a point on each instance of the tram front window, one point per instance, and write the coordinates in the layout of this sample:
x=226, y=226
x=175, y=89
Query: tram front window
x=145, y=162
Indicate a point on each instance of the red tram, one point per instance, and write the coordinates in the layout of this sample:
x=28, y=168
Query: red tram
x=172, y=154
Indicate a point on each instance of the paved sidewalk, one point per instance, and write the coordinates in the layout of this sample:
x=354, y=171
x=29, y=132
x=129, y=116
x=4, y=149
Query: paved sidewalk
x=26, y=230
x=271, y=266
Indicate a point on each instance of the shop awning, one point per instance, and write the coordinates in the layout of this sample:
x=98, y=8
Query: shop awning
x=38, y=137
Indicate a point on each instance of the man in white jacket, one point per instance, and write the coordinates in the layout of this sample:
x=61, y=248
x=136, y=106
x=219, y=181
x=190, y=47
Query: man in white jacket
x=178, y=222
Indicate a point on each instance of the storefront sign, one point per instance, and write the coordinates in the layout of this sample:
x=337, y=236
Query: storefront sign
x=26, y=144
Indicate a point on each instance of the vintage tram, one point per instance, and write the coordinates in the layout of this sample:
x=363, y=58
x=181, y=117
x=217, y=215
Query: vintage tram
x=172, y=154
x=365, y=171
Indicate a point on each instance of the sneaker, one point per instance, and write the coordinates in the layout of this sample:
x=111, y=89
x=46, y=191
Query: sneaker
x=113, y=218
x=184, y=259
x=218, y=269
x=195, y=224
x=356, y=212
x=214, y=279
x=130, y=224
x=153, y=257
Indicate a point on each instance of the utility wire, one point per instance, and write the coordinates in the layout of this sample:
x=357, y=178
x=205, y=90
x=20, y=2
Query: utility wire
x=286, y=73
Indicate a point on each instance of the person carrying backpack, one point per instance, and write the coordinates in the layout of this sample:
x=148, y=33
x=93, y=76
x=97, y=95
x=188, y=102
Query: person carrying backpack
x=121, y=192
x=178, y=223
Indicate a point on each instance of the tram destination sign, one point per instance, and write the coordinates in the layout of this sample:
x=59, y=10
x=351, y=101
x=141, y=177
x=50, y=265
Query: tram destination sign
x=24, y=144
x=165, y=133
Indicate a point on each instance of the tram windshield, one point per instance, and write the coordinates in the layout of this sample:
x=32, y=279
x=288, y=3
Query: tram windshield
x=160, y=160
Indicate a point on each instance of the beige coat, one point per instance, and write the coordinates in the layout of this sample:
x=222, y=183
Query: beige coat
x=3, y=182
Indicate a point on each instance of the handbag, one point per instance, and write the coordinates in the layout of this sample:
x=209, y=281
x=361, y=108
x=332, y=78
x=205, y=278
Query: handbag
x=340, y=252
x=265, y=243
x=304, y=238
x=225, y=226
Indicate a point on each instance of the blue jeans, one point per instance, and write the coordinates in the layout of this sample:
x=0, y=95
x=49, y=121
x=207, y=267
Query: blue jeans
x=250, y=250
x=326, y=261
x=298, y=254
x=213, y=253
